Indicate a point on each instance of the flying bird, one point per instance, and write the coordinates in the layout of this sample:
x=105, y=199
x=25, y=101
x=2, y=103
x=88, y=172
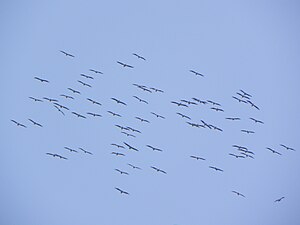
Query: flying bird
x=140, y=57
x=158, y=170
x=217, y=109
x=130, y=147
x=273, y=151
x=179, y=104
x=256, y=121
x=238, y=193
x=197, y=157
x=74, y=91
x=42, y=80
x=84, y=84
x=94, y=114
x=93, y=101
x=157, y=90
x=96, y=71
x=118, y=154
x=248, y=131
x=50, y=99
x=36, y=99
x=158, y=116
x=133, y=130
x=122, y=172
x=114, y=114
x=233, y=118
x=59, y=109
x=67, y=96
x=189, y=102
x=278, y=200
x=245, y=93
x=240, y=100
x=205, y=124
x=243, y=96
x=86, y=76
x=154, y=149
x=200, y=101
x=118, y=101
x=134, y=167
x=70, y=149
x=118, y=146
x=127, y=134
x=216, y=169
x=67, y=54
x=61, y=106
x=87, y=152
x=196, y=73
x=18, y=124
x=56, y=155
x=236, y=156
x=252, y=104
x=124, y=64
x=287, y=148
x=121, y=191
x=35, y=123
x=121, y=127
x=79, y=115
x=183, y=116
x=214, y=103
x=142, y=120
x=141, y=100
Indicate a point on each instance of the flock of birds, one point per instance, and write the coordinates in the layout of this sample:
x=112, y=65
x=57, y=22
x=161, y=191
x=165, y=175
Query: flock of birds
x=241, y=97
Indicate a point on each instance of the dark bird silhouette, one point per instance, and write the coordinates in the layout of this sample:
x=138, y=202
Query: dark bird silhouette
x=122, y=172
x=36, y=99
x=84, y=84
x=158, y=116
x=121, y=127
x=142, y=120
x=179, y=104
x=134, y=167
x=71, y=150
x=233, y=118
x=67, y=96
x=196, y=73
x=248, y=131
x=50, y=99
x=216, y=169
x=18, y=124
x=252, y=104
x=133, y=130
x=200, y=101
x=74, y=91
x=246, y=94
x=157, y=90
x=42, y=80
x=86, y=76
x=216, y=128
x=206, y=125
x=61, y=106
x=59, y=109
x=183, y=116
x=197, y=157
x=140, y=57
x=287, y=148
x=154, y=149
x=124, y=64
x=273, y=151
x=94, y=114
x=240, y=100
x=118, y=101
x=121, y=191
x=145, y=89
x=118, y=153
x=67, y=54
x=114, y=114
x=158, y=170
x=256, y=121
x=118, y=146
x=217, y=109
x=239, y=147
x=96, y=71
x=127, y=134
x=79, y=115
x=189, y=102
x=56, y=155
x=35, y=123
x=93, y=101
x=87, y=152
x=238, y=193
x=195, y=125
x=278, y=200
x=236, y=156
x=247, y=155
x=214, y=103
x=140, y=100
x=130, y=147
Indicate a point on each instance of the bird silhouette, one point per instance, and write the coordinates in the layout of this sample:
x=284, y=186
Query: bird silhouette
x=124, y=64
x=236, y=156
x=86, y=76
x=245, y=93
x=42, y=80
x=141, y=100
x=248, y=131
x=183, y=116
x=154, y=149
x=278, y=200
x=142, y=120
x=252, y=104
x=36, y=99
x=287, y=148
x=273, y=151
x=114, y=114
x=96, y=71
x=118, y=146
x=118, y=153
x=59, y=109
x=121, y=191
x=216, y=168
x=256, y=121
x=134, y=167
x=118, y=101
x=87, y=152
x=214, y=103
x=67, y=54
x=197, y=157
x=158, y=116
x=122, y=172
x=71, y=150
x=217, y=109
x=67, y=96
x=50, y=99
x=158, y=170
x=156, y=90
x=130, y=147
x=233, y=118
x=18, y=124
x=78, y=115
x=74, y=91
x=61, y=106
x=94, y=114
x=56, y=155
x=127, y=134
x=238, y=193
x=196, y=73
x=93, y=101
x=35, y=123
x=140, y=57
x=84, y=84
x=179, y=104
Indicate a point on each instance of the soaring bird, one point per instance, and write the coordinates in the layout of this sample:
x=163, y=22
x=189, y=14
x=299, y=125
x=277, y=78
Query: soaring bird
x=86, y=76
x=233, y=118
x=217, y=109
x=278, y=200
x=84, y=84
x=157, y=90
x=121, y=191
x=243, y=96
x=134, y=167
x=142, y=120
x=114, y=114
x=200, y=101
x=140, y=100
x=214, y=103
x=118, y=146
x=35, y=123
x=188, y=102
x=240, y=100
x=248, y=131
x=197, y=157
x=96, y=71
x=245, y=93
x=36, y=99
x=183, y=116
x=74, y=91
x=124, y=64
x=118, y=101
x=216, y=169
x=118, y=153
x=122, y=172
x=196, y=73
x=158, y=116
x=130, y=147
x=236, y=156
x=133, y=130
x=59, y=109
x=87, y=152
x=179, y=104
x=56, y=155
x=79, y=115
x=287, y=148
x=94, y=114
x=158, y=170
x=238, y=193
x=70, y=149
x=140, y=57
x=273, y=151
x=67, y=96
x=93, y=101
x=50, y=99
x=121, y=127
x=18, y=124
x=67, y=54
x=256, y=121
x=61, y=106
x=239, y=147
x=42, y=80
x=154, y=149
x=252, y=104
x=127, y=134
x=205, y=124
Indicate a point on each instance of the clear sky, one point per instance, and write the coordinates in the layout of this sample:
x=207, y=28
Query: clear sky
x=248, y=45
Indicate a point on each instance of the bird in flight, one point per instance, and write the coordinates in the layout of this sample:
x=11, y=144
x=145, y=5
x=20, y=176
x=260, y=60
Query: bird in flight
x=140, y=57
x=87, y=152
x=118, y=153
x=233, y=118
x=256, y=121
x=238, y=193
x=216, y=169
x=195, y=125
x=206, y=125
x=42, y=80
x=121, y=127
x=127, y=134
x=96, y=71
x=154, y=149
x=196, y=73
x=50, y=99
x=18, y=124
x=200, y=101
x=36, y=99
x=67, y=54
x=59, y=109
x=118, y=146
x=183, y=116
x=133, y=130
x=278, y=200
x=157, y=90
x=74, y=91
x=239, y=147
x=86, y=76
x=189, y=102
x=67, y=96
x=114, y=114
x=79, y=115
x=93, y=101
x=252, y=104
x=94, y=114
x=134, y=167
x=158, y=116
x=56, y=155
x=141, y=100
x=214, y=103
x=273, y=151
x=118, y=101
x=248, y=131
x=236, y=156
x=246, y=94
x=179, y=104
x=124, y=64
x=70, y=149
x=243, y=96
x=240, y=100
x=130, y=147
x=197, y=157
x=217, y=109
x=158, y=170
x=121, y=191
x=122, y=172
x=287, y=148
x=84, y=84
x=61, y=106
x=142, y=120
x=35, y=123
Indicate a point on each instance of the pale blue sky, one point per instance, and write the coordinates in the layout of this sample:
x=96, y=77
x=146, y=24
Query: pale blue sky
x=249, y=45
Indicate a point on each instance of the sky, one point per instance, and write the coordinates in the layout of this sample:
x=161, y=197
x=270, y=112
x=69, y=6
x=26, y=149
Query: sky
x=237, y=45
